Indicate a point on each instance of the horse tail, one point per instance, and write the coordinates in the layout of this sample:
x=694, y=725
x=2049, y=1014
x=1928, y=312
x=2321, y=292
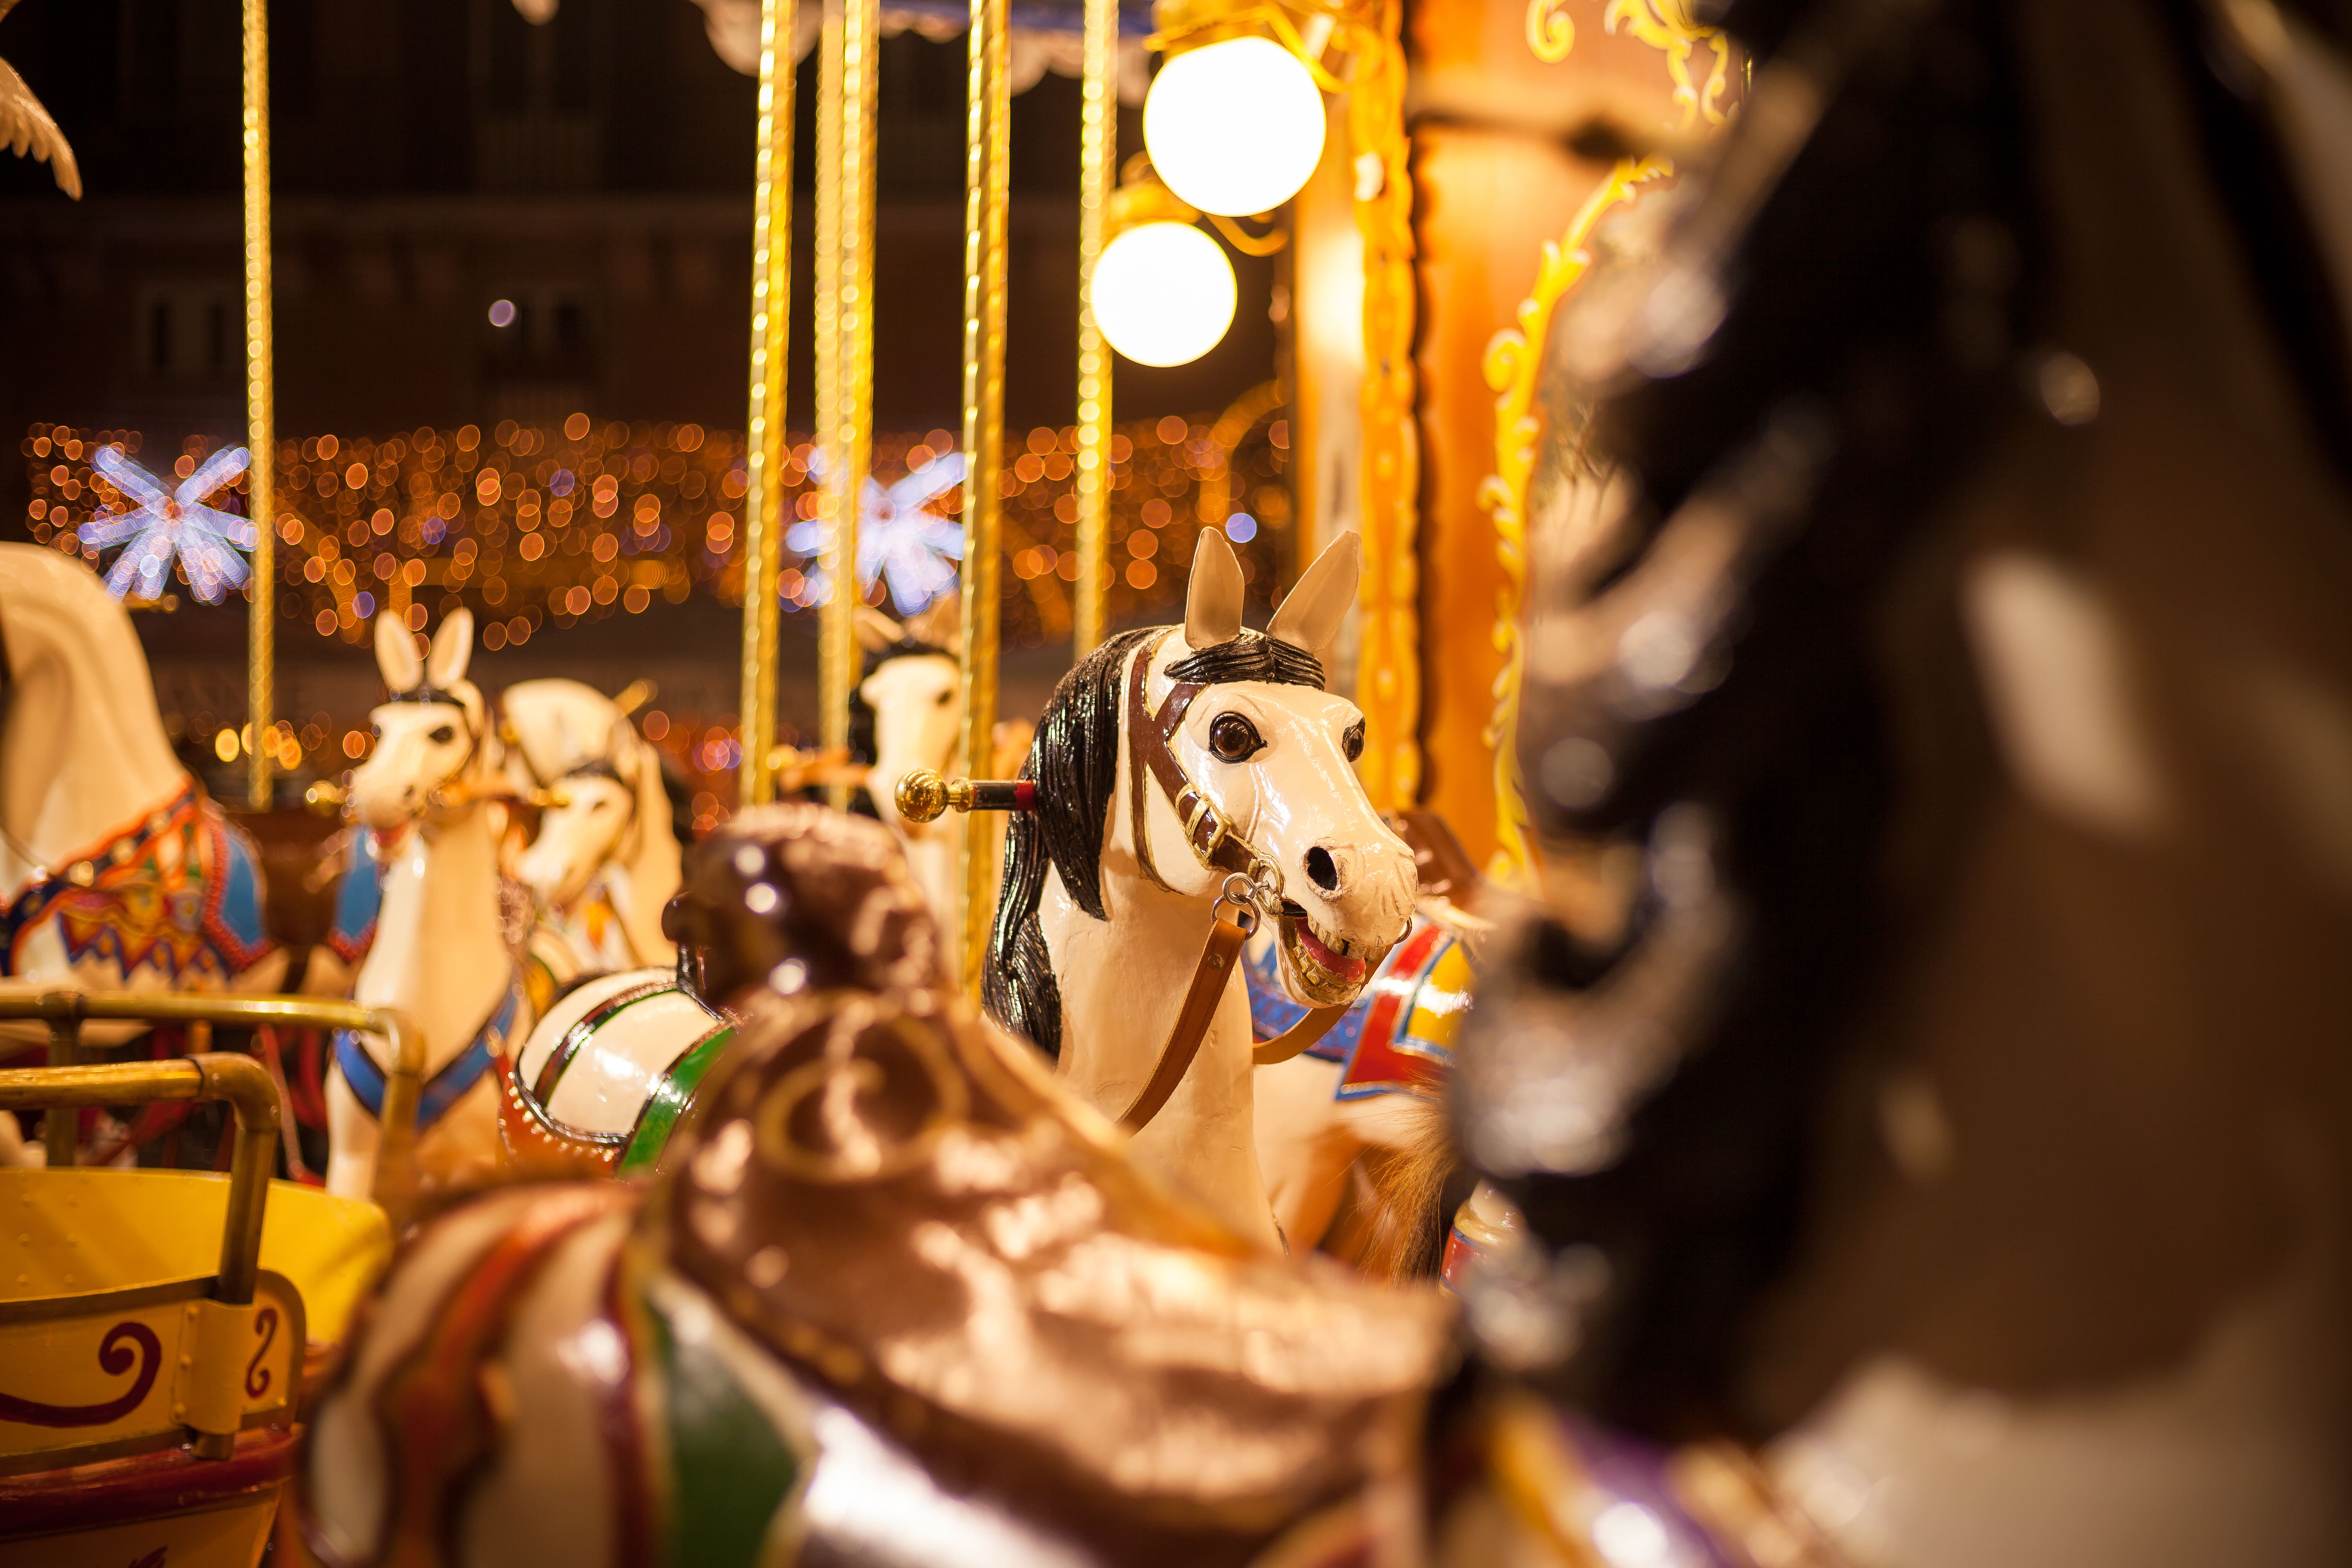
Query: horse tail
x=1388, y=1228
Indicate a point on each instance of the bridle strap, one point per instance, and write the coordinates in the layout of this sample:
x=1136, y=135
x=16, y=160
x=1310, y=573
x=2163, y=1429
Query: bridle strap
x=1219, y=847
x=1230, y=927
x=1214, y=840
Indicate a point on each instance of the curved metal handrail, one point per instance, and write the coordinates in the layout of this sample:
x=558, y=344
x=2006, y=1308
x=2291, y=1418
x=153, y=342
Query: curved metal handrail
x=251, y=1095
x=395, y=1186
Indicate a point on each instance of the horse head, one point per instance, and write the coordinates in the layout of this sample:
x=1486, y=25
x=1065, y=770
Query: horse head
x=1248, y=723
x=602, y=782
x=914, y=690
x=429, y=731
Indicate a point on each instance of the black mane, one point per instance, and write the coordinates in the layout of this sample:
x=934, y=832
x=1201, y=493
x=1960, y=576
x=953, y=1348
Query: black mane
x=1075, y=763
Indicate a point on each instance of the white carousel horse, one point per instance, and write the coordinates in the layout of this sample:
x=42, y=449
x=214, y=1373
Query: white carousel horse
x=116, y=872
x=915, y=691
x=1108, y=895
x=604, y=859
x=441, y=949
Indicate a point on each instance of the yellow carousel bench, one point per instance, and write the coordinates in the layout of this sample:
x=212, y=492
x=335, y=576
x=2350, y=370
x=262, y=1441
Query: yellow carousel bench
x=156, y=1326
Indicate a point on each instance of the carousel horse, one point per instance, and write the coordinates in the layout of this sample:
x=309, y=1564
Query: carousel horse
x=1354, y=1125
x=913, y=699
x=604, y=859
x=1947, y=1165
x=447, y=946
x=118, y=872
x=895, y=1296
x=1182, y=776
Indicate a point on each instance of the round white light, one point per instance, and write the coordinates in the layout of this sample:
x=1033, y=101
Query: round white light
x=1234, y=127
x=1163, y=293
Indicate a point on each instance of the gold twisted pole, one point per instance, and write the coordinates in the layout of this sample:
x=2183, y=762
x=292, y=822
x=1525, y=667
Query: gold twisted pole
x=1098, y=162
x=260, y=409
x=763, y=440
x=987, y=114
x=849, y=439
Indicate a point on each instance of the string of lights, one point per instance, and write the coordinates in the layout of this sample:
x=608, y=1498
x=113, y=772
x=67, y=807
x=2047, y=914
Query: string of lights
x=531, y=526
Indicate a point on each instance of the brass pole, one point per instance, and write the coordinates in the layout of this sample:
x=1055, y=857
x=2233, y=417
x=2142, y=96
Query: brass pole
x=850, y=441
x=1097, y=161
x=260, y=409
x=825, y=316
x=763, y=439
x=987, y=112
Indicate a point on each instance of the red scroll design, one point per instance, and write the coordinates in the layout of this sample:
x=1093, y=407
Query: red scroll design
x=115, y=1357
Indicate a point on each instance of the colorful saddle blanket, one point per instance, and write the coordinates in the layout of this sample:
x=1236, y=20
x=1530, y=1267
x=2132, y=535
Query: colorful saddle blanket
x=173, y=899
x=442, y=1092
x=1398, y=1039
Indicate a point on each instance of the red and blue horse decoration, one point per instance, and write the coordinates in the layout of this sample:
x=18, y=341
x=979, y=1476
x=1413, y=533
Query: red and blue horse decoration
x=1398, y=1039
x=172, y=901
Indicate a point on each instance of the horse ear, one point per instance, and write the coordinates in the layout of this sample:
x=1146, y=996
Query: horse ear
x=453, y=647
x=621, y=747
x=942, y=624
x=395, y=653
x=875, y=631
x=1310, y=614
x=1213, y=604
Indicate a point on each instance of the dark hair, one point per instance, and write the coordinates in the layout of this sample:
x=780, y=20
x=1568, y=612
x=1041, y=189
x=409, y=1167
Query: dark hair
x=1075, y=763
x=1878, y=300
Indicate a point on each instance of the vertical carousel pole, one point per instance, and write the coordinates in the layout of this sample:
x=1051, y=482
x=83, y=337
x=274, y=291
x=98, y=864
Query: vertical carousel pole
x=853, y=45
x=260, y=409
x=826, y=314
x=763, y=440
x=987, y=111
x=1097, y=162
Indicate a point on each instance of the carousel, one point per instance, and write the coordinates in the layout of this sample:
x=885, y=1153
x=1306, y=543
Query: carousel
x=1674, y=897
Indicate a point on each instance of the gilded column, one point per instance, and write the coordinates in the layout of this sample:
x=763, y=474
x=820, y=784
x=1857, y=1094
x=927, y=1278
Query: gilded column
x=1098, y=166
x=261, y=407
x=987, y=112
x=1387, y=671
x=850, y=445
x=771, y=237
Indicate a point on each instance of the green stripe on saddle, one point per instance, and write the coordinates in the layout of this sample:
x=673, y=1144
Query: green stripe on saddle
x=669, y=1102
x=730, y=1472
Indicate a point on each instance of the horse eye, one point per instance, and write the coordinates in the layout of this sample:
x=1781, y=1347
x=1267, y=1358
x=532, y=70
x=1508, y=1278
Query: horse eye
x=944, y=699
x=443, y=735
x=1234, y=738
x=1352, y=742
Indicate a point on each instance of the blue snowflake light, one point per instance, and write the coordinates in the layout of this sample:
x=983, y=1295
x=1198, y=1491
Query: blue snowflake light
x=168, y=522
x=898, y=540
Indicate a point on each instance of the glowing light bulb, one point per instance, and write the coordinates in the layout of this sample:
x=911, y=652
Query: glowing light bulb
x=1234, y=127
x=1163, y=293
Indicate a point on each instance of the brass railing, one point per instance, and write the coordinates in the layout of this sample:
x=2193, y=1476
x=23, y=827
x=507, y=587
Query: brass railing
x=252, y=1097
x=64, y=1011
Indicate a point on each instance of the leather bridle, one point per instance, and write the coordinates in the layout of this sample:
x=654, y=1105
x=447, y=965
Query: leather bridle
x=1252, y=889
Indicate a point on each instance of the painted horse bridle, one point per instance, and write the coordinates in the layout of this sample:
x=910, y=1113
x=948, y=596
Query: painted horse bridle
x=1252, y=889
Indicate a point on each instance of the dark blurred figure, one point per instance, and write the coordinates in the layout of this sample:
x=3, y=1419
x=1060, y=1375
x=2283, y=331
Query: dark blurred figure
x=1931, y=1078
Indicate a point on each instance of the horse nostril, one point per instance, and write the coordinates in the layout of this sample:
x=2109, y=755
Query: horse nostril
x=1322, y=870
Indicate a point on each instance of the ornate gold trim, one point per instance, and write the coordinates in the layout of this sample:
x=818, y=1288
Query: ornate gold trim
x=1388, y=668
x=1666, y=25
x=1513, y=363
x=763, y=437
